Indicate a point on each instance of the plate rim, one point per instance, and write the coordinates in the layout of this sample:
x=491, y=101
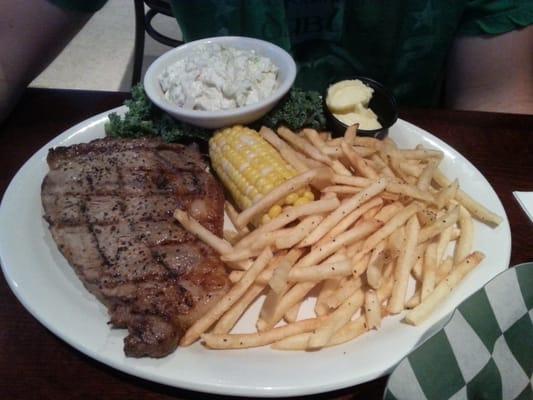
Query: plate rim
x=221, y=389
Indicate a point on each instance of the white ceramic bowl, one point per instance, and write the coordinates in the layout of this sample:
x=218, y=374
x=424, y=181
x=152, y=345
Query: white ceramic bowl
x=219, y=119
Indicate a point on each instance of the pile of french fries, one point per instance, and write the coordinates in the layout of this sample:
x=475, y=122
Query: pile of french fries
x=383, y=217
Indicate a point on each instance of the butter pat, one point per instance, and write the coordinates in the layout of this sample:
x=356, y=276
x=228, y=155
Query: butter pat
x=348, y=101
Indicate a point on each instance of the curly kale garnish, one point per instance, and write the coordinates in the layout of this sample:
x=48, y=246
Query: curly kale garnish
x=175, y=131
x=299, y=109
x=144, y=119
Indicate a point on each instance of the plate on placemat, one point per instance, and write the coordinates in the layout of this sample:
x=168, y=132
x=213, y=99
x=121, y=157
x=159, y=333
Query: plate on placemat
x=47, y=286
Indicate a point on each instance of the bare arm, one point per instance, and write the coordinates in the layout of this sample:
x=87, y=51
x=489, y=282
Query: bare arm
x=32, y=34
x=492, y=73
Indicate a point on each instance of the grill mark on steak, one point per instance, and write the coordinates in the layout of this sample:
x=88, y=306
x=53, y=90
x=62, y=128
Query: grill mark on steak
x=109, y=206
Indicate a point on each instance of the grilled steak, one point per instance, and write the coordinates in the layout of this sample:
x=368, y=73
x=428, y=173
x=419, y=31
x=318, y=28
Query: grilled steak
x=109, y=206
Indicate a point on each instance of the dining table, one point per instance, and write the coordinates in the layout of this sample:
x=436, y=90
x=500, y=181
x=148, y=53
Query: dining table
x=34, y=363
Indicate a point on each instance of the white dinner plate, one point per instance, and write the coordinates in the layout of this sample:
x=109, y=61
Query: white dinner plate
x=47, y=286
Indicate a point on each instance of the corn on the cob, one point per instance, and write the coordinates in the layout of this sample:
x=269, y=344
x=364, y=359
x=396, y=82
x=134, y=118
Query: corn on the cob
x=250, y=168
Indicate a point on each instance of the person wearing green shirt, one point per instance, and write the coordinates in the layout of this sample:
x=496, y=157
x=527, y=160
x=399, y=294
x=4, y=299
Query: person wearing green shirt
x=466, y=54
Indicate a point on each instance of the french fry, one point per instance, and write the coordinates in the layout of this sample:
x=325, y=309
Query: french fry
x=464, y=243
x=313, y=136
x=235, y=276
x=358, y=162
x=360, y=266
x=375, y=265
x=410, y=191
x=286, y=151
x=302, y=145
x=443, y=242
x=335, y=141
x=428, y=215
x=278, y=283
x=396, y=242
x=349, y=219
x=271, y=238
x=311, y=164
x=372, y=309
x=421, y=154
x=348, y=332
x=229, y=236
x=350, y=134
x=395, y=160
x=228, y=320
x=293, y=296
x=364, y=151
x=339, y=255
x=339, y=167
x=414, y=300
x=321, y=252
x=345, y=208
x=447, y=220
x=425, y=178
x=209, y=318
x=386, y=230
x=279, y=280
x=267, y=309
x=385, y=290
x=476, y=209
x=383, y=167
x=328, y=287
x=430, y=270
x=442, y=272
x=233, y=215
x=367, y=142
x=357, y=181
x=205, y=235
x=354, y=249
x=418, y=314
x=247, y=340
x=341, y=189
x=347, y=287
x=332, y=151
x=415, y=170
x=292, y=313
x=240, y=255
x=444, y=269
x=323, y=333
x=280, y=192
x=289, y=215
x=388, y=211
x=369, y=214
x=406, y=260
x=315, y=139
x=322, y=271
x=418, y=268
x=447, y=194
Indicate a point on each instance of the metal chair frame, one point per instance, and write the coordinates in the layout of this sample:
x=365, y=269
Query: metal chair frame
x=143, y=22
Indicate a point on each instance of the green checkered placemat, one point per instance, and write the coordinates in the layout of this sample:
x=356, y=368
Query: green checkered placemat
x=485, y=351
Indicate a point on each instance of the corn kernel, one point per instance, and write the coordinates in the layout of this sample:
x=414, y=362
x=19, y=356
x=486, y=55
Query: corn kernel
x=301, y=201
x=265, y=219
x=275, y=211
x=309, y=195
x=291, y=198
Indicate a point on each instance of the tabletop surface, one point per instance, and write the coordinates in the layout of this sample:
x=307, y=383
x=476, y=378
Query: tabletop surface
x=36, y=364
